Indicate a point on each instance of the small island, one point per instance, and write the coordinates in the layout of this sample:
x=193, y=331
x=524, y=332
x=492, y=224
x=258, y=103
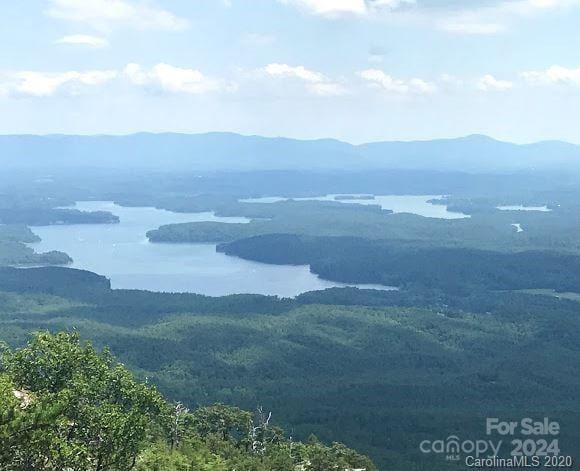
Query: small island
x=14, y=250
x=52, y=216
x=18, y=254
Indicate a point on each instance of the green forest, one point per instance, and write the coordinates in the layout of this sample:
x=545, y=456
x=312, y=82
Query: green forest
x=64, y=405
x=360, y=367
x=484, y=320
x=358, y=260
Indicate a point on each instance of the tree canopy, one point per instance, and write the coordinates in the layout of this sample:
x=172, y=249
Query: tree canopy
x=64, y=405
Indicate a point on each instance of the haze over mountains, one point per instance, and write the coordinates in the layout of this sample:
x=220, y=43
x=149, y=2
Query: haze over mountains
x=234, y=152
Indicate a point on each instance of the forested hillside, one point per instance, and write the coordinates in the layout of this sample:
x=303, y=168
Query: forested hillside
x=356, y=260
x=488, y=228
x=64, y=405
x=379, y=371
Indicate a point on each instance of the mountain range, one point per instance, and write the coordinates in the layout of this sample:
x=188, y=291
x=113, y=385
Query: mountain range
x=234, y=152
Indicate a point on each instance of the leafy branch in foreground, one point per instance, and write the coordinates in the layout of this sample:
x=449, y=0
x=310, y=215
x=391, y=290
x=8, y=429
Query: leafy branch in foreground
x=63, y=405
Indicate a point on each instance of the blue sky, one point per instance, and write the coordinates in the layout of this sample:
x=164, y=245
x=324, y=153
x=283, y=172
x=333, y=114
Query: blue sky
x=357, y=70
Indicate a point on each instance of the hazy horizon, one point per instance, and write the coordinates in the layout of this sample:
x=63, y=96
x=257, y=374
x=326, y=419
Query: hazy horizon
x=354, y=70
x=305, y=139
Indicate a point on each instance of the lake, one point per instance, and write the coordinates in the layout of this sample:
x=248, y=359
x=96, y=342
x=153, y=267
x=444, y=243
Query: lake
x=413, y=204
x=519, y=207
x=122, y=253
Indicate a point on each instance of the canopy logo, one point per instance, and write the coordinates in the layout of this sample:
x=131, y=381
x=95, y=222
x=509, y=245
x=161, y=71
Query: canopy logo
x=452, y=447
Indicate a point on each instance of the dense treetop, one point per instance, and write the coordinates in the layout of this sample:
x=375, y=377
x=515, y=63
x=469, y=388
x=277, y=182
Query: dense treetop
x=63, y=405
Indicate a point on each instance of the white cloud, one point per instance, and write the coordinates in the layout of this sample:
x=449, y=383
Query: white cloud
x=330, y=7
x=391, y=4
x=43, y=84
x=300, y=72
x=544, y=3
x=162, y=76
x=107, y=14
x=553, y=75
x=339, y=8
x=466, y=17
x=481, y=19
x=489, y=83
x=333, y=8
x=84, y=40
x=378, y=79
x=317, y=83
x=173, y=79
x=528, y=6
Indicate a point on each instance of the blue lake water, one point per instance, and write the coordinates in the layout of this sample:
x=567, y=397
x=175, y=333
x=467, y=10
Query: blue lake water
x=122, y=253
x=413, y=204
x=519, y=207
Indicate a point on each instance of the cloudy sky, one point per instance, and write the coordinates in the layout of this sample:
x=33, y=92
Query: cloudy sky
x=357, y=70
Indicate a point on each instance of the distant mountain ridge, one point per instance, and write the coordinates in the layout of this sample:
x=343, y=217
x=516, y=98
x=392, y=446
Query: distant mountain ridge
x=234, y=152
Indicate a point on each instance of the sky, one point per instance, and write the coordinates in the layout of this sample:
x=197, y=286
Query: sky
x=355, y=70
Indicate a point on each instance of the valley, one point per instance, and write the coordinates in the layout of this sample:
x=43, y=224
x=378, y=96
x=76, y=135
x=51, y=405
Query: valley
x=219, y=295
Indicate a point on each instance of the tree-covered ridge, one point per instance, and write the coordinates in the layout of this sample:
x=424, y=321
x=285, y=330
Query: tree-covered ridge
x=48, y=216
x=491, y=229
x=17, y=233
x=63, y=405
x=14, y=251
x=357, y=260
x=379, y=371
